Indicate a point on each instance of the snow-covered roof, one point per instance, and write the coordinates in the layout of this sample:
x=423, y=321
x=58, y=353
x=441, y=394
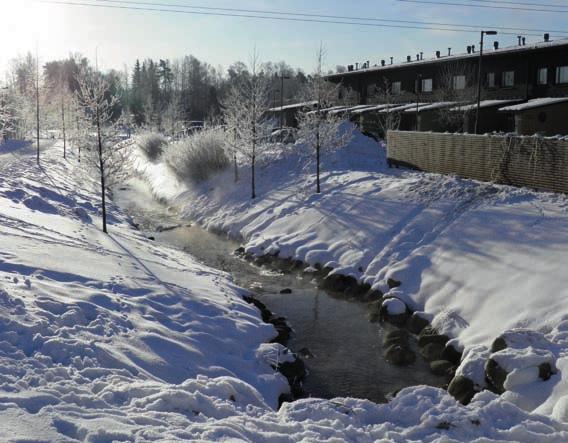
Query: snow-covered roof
x=370, y=108
x=484, y=104
x=431, y=106
x=535, y=103
x=396, y=107
x=461, y=56
x=333, y=109
x=293, y=106
x=350, y=109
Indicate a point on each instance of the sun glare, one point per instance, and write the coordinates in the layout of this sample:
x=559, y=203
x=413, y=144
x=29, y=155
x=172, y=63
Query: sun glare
x=27, y=23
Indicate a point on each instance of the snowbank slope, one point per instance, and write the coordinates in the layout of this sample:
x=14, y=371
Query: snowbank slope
x=479, y=258
x=114, y=338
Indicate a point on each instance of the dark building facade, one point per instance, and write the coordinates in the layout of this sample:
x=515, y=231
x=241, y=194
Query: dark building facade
x=518, y=73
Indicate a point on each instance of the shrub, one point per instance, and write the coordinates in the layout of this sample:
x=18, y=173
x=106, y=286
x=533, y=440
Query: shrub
x=152, y=144
x=199, y=156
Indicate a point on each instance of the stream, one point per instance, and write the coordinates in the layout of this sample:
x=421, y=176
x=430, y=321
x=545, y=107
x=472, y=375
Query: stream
x=345, y=348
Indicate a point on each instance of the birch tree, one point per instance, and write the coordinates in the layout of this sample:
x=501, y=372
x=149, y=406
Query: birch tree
x=387, y=120
x=103, y=154
x=244, y=110
x=7, y=114
x=322, y=130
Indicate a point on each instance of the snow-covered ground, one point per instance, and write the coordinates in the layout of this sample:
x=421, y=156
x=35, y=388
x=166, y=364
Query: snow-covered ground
x=116, y=338
x=478, y=259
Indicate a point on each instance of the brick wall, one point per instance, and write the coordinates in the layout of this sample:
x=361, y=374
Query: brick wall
x=536, y=162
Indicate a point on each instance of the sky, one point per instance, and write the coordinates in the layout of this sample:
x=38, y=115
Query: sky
x=119, y=37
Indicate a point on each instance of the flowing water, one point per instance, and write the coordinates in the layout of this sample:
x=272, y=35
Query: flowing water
x=345, y=350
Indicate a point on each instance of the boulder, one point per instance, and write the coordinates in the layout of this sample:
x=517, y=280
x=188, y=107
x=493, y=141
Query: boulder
x=416, y=323
x=374, y=295
x=462, y=389
x=294, y=371
x=399, y=355
x=358, y=289
x=498, y=344
x=338, y=283
x=282, y=328
x=495, y=376
x=430, y=335
x=432, y=351
x=394, y=311
x=545, y=371
x=392, y=283
x=451, y=354
x=396, y=337
x=442, y=367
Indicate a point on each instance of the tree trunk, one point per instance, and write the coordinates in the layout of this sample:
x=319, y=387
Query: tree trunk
x=79, y=142
x=63, y=127
x=253, y=157
x=102, y=170
x=37, y=106
x=236, y=168
x=253, y=196
x=318, y=188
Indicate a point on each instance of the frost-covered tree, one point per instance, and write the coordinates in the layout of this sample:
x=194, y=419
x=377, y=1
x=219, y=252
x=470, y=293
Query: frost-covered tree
x=244, y=110
x=320, y=130
x=386, y=121
x=8, y=113
x=104, y=154
x=456, y=85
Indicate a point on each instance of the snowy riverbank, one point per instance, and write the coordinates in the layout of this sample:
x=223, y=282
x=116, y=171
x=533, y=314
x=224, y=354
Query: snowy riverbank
x=478, y=259
x=115, y=338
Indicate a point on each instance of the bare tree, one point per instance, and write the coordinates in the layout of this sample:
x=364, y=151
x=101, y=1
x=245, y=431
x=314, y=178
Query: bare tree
x=456, y=85
x=104, y=155
x=244, y=110
x=386, y=120
x=321, y=130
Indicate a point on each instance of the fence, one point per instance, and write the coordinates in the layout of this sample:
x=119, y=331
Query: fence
x=536, y=162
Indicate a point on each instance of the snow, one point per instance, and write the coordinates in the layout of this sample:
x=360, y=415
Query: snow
x=431, y=106
x=483, y=104
x=394, y=306
x=334, y=109
x=535, y=103
x=395, y=107
x=117, y=338
x=370, y=108
x=480, y=259
x=293, y=106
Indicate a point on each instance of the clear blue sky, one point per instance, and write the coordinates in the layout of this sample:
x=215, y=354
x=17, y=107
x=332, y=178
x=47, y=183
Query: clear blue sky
x=122, y=36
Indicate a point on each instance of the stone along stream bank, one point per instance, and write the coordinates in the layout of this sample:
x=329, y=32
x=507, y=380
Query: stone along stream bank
x=347, y=351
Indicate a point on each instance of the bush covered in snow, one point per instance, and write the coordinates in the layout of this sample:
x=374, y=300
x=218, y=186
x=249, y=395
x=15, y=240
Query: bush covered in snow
x=152, y=144
x=199, y=156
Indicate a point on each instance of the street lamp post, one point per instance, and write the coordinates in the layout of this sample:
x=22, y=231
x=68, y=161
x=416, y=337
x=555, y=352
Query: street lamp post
x=483, y=33
x=282, y=78
x=418, y=87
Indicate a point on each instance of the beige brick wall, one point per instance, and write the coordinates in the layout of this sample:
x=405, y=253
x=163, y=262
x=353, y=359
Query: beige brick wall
x=536, y=162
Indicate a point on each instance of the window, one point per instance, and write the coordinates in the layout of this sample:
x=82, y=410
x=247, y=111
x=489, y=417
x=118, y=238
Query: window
x=459, y=82
x=542, y=78
x=561, y=74
x=508, y=79
x=491, y=80
x=396, y=88
x=426, y=85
